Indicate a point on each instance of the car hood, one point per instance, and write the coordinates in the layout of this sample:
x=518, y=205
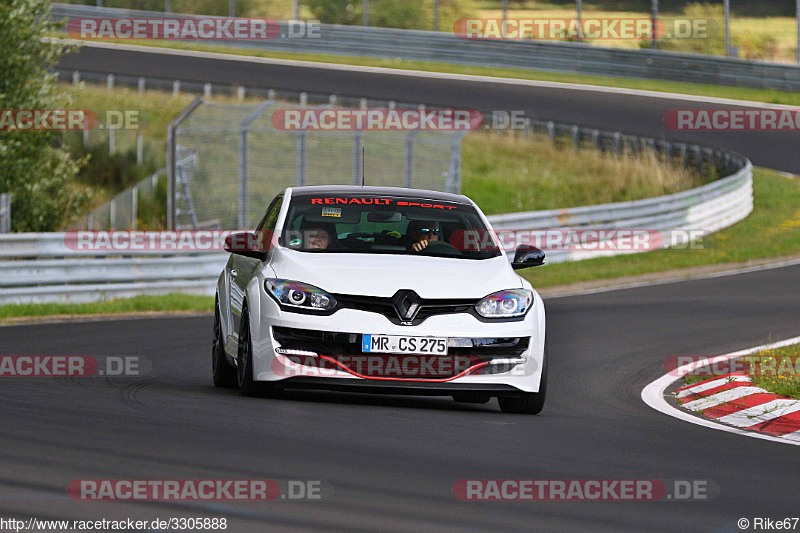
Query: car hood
x=385, y=274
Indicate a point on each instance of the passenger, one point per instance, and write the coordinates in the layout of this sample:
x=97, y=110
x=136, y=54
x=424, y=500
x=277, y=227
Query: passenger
x=317, y=235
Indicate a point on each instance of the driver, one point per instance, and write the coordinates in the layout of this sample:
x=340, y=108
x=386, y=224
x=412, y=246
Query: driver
x=423, y=232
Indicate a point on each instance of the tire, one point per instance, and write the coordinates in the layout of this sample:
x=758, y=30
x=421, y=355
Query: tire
x=224, y=373
x=528, y=403
x=244, y=367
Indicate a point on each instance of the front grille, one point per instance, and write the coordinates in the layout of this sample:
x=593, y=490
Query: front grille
x=345, y=348
x=385, y=307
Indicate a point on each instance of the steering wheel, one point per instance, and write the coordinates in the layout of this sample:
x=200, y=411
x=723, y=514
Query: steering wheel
x=440, y=248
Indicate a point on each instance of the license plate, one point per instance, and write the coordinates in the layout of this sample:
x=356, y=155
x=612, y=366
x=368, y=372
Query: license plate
x=404, y=344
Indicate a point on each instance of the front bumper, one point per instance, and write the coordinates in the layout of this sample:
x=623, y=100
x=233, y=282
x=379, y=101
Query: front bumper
x=267, y=318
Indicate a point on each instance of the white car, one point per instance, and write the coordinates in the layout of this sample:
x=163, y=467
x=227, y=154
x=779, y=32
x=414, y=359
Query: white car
x=379, y=289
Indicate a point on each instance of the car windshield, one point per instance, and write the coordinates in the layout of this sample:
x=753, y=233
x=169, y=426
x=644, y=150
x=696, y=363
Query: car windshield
x=369, y=224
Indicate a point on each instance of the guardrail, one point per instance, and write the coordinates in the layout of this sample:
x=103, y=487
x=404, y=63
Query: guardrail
x=74, y=279
x=529, y=54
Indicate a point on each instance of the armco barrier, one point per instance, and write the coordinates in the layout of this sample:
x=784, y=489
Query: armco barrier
x=528, y=54
x=75, y=279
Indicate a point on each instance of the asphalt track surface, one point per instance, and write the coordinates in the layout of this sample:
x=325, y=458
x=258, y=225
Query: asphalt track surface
x=630, y=113
x=392, y=461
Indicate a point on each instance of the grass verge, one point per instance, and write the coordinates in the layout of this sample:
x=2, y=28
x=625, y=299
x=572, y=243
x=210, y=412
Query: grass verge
x=771, y=230
x=776, y=371
x=771, y=96
x=137, y=304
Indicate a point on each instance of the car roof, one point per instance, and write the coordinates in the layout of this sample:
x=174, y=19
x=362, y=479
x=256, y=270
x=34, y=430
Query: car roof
x=379, y=191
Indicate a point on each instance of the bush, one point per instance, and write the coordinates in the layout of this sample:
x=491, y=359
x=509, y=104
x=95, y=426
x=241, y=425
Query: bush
x=756, y=46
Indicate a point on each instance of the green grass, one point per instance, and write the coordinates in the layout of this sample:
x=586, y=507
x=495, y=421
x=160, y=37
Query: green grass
x=166, y=303
x=513, y=173
x=771, y=230
x=776, y=371
x=779, y=371
x=738, y=93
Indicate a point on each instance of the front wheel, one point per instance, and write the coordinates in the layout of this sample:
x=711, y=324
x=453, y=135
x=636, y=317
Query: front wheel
x=244, y=368
x=529, y=403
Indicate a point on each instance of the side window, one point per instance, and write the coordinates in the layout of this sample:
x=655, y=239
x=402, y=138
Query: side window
x=269, y=221
x=271, y=217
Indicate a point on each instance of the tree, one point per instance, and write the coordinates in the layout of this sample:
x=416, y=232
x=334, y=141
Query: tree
x=34, y=167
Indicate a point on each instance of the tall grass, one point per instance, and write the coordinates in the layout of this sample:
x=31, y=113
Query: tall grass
x=506, y=173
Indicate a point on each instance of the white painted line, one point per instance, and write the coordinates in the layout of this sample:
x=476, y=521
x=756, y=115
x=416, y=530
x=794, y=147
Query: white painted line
x=653, y=395
x=761, y=413
x=793, y=437
x=721, y=397
x=710, y=385
x=436, y=75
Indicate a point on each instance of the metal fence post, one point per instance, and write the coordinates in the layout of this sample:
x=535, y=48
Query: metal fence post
x=301, y=159
x=176, y=88
x=453, y=183
x=172, y=159
x=76, y=76
x=139, y=148
x=134, y=205
x=243, y=181
x=727, y=9
x=244, y=177
x=576, y=138
x=110, y=82
x=142, y=84
x=357, y=158
x=654, y=46
x=111, y=139
x=409, y=164
x=112, y=213
x=5, y=212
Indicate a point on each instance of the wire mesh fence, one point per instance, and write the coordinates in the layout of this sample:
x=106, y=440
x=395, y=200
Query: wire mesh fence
x=236, y=160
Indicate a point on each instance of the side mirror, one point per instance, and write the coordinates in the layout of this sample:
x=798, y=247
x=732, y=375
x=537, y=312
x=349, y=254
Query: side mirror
x=246, y=244
x=527, y=256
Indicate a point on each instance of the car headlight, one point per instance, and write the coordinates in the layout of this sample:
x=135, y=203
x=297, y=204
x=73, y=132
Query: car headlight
x=294, y=294
x=505, y=304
